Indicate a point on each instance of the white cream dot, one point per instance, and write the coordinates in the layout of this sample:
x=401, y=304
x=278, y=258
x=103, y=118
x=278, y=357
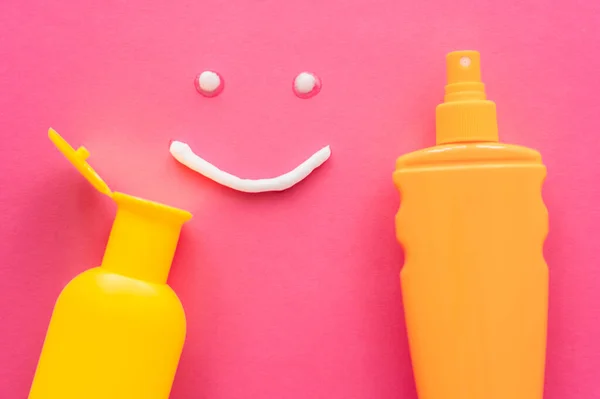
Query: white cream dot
x=305, y=82
x=209, y=81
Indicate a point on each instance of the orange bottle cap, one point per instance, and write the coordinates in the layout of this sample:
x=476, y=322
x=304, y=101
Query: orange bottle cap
x=465, y=115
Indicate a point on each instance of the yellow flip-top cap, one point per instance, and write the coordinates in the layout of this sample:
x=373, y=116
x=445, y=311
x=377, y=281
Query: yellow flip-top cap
x=465, y=115
x=79, y=159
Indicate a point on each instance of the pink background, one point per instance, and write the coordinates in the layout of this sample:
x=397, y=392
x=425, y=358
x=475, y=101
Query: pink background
x=296, y=294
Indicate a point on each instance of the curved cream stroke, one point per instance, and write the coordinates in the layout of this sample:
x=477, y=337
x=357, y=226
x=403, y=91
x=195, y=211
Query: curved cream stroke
x=184, y=154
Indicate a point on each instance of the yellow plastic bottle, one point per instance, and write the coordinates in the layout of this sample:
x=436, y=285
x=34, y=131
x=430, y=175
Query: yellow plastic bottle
x=472, y=224
x=117, y=331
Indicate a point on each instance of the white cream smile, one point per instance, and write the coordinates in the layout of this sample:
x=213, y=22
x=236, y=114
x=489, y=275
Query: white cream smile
x=184, y=154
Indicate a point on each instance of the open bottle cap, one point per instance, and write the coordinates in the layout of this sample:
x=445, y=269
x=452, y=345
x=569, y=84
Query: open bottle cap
x=78, y=158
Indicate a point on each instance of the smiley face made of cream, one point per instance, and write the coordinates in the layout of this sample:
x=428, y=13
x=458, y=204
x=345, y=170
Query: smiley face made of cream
x=210, y=84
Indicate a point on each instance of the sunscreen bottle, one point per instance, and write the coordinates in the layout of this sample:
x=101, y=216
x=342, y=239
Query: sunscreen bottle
x=472, y=224
x=117, y=330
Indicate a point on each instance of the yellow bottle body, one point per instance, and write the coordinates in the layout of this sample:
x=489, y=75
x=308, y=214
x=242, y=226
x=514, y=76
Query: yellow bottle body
x=117, y=331
x=111, y=336
x=475, y=285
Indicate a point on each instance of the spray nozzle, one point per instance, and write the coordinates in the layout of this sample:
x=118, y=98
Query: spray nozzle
x=464, y=76
x=465, y=115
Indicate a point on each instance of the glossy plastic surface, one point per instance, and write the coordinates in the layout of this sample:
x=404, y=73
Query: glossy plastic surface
x=111, y=336
x=475, y=284
x=78, y=158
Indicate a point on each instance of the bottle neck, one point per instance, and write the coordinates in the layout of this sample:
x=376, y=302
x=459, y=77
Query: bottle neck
x=143, y=239
x=464, y=121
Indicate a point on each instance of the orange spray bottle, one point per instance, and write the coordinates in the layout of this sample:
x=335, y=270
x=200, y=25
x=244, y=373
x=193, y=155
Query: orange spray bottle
x=472, y=224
